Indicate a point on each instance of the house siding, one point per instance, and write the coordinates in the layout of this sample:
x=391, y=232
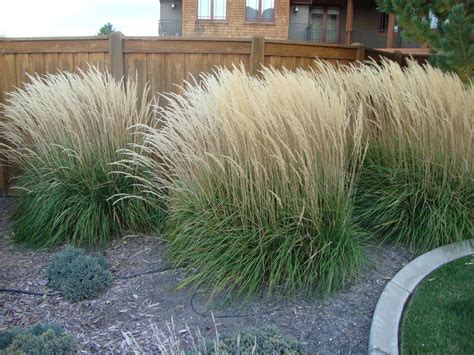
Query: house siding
x=235, y=25
x=300, y=17
x=366, y=17
x=167, y=13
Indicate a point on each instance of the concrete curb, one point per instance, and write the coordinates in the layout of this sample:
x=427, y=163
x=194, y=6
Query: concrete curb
x=383, y=337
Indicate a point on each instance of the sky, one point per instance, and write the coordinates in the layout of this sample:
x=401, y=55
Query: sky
x=44, y=18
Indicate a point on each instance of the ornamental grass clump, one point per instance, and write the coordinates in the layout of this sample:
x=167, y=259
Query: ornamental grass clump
x=260, y=182
x=417, y=184
x=64, y=132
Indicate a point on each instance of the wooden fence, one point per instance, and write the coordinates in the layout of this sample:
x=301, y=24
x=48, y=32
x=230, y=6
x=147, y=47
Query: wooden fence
x=163, y=62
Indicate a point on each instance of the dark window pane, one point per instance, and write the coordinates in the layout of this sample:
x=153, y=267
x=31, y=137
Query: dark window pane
x=268, y=10
x=251, y=10
x=332, y=25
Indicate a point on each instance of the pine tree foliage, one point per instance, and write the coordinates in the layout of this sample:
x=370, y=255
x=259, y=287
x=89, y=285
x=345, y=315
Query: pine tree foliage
x=446, y=26
x=106, y=29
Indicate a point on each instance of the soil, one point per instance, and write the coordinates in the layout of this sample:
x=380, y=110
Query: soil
x=338, y=324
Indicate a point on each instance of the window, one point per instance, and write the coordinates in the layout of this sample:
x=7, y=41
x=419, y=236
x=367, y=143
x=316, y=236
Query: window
x=383, y=22
x=325, y=24
x=433, y=20
x=260, y=10
x=212, y=9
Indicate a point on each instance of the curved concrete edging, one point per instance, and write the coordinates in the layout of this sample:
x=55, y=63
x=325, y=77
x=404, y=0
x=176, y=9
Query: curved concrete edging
x=383, y=337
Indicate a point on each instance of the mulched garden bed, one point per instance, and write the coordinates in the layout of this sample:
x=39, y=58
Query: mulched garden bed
x=336, y=324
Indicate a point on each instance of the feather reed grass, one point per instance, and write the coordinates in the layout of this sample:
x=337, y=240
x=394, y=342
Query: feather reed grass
x=417, y=184
x=259, y=182
x=63, y=132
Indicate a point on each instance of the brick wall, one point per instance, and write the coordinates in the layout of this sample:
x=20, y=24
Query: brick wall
x=235, y=25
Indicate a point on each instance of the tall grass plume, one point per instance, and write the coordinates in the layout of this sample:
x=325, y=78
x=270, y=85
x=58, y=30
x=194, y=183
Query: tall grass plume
x=63, y=131
x=417, y=184
x=260, y=182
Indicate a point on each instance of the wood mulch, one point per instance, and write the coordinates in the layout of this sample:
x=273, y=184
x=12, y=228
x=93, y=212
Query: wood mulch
x=338, y=324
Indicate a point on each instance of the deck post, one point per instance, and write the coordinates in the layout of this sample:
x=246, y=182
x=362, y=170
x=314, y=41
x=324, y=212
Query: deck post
x=390, y=27
x=257, y=54
x=116, y=55
x=349, y=20
x=398, y=57
x=360, y=54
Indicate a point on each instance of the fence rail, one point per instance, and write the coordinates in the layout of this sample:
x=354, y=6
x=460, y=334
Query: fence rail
x=163, y=62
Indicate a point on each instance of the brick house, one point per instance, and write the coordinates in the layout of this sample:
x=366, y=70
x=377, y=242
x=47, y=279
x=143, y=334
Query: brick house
x=325, y=21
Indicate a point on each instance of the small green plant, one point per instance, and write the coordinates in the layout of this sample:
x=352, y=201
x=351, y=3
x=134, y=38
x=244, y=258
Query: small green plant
x=252, y=341
x=38, y=339
x=78, y=276
x=258, y=341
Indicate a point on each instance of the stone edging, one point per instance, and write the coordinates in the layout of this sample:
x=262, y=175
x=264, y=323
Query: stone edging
x=383, y=337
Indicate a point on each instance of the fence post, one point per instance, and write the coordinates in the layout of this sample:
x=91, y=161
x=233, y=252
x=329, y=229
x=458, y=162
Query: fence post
x=4, y=172
x=116, y=55
x=360, y=54
x=257, y=54
x=398, y=57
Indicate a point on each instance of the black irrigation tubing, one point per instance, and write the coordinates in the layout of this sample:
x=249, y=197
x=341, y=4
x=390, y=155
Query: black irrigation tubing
x=131, y=276
x=118, y=277
x=193, y=307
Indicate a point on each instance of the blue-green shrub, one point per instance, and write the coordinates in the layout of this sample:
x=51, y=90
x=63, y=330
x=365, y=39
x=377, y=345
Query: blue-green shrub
x=39, y=339
x=79, y=276
x=259, y=341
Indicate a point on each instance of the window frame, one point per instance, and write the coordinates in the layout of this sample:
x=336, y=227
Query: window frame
x=325, y=14
x=212, y=16
x=260, y=19
x=383, y=22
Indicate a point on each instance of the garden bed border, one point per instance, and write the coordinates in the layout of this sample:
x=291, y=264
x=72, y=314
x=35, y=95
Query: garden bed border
x=383, y=338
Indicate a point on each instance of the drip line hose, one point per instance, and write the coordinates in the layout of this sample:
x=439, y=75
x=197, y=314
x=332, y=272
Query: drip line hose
x=138, y=274
x=118, y=277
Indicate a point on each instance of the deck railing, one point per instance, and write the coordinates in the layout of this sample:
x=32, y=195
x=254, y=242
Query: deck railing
x=378, y=39
x=306, y=32
x=370, y=38
x=169, y=28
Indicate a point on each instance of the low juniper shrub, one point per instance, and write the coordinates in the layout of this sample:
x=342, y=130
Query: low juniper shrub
x=38, y=339
x=77, y=275
x=258, y=341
